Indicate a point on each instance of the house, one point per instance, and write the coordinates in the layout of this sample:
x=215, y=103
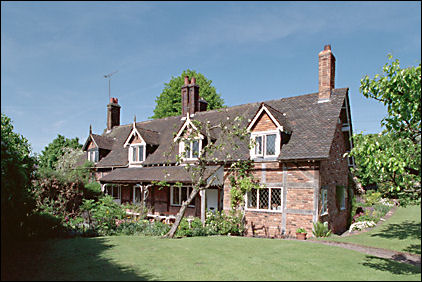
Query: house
x=298, y=153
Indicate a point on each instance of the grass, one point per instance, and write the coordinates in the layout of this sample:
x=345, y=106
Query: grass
x=197, y=258
x=401, y=232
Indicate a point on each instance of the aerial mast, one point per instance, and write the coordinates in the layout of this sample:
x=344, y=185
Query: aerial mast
x=109, y=78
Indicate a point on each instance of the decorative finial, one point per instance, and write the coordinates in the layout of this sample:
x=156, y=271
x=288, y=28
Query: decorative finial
x=134, y=119
x=90, y=129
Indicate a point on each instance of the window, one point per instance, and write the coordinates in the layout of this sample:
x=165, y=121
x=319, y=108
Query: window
x=180, y=194
x=114, y=191
x=136, y=153
x=93, y=155
x=265, y=145
x=324, y=201
x=268, y=199
x=191, y=149
x=341, y=197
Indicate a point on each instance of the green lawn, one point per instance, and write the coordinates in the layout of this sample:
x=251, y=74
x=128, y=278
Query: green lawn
x=401, y=232
x=199, y=258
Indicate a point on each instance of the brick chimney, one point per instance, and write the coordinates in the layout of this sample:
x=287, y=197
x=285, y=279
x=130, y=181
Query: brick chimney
x=327, y=68
x=113, y=113
x=190, y=97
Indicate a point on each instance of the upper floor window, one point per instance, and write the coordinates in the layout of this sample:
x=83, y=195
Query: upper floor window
x=93, y=155
x=265, y=144
x=136, y=153
x=190, y=149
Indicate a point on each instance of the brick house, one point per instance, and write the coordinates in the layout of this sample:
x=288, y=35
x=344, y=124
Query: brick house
x=298, y=154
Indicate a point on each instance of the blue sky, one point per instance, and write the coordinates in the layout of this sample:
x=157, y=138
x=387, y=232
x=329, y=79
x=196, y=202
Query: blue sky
x=54, y=55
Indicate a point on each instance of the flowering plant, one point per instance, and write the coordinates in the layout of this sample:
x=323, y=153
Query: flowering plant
x=360, y=225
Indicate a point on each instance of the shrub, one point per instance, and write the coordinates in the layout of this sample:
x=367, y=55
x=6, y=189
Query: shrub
x=361, y=225
x=195, y=229
x=321, y=229
x=222, y=224
x=301, y=230
x=372, y=198
x=93, y=191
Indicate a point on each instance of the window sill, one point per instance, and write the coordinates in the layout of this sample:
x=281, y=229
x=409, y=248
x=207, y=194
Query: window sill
x=262, y=210
x=176, y=205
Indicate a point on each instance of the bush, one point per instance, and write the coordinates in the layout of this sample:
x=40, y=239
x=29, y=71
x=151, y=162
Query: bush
x=371, y=198
x=222, y=224
x=321, y=229
x=195, y=229
x=93, y=191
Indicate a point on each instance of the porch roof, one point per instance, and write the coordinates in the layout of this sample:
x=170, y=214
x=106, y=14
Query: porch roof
x=171, y=174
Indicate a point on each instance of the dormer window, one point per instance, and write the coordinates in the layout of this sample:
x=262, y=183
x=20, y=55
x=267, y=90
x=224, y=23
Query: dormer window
x=266, y=144
x=136, y=153
x=190, y=150
x=93, y=155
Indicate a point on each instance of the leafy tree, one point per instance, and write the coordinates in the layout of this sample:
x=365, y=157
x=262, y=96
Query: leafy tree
x=392, y=158
x=220, y=152
x=55, y=150
x=169, y=102
x=17, y=166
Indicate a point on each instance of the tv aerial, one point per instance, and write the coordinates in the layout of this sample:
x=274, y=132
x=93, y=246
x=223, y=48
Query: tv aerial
x=109, y=78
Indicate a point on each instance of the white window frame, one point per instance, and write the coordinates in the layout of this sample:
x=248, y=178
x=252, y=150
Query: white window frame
x=180, y=195
x=119, y=192
x=257, y=209
x=182, y=149
x=96, y=155
x=263, y=135
x=324, y=201
x=131, y=151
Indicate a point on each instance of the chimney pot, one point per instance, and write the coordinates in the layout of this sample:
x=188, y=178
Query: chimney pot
x=186, y=80
x=327, y=47
x=193, y=81
x=111, y=100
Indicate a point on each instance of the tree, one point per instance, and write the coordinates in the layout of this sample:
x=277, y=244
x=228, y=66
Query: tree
x=168, y=103
x=17, y=167
x=392, y=158
x=216, y=152
x=55, y=150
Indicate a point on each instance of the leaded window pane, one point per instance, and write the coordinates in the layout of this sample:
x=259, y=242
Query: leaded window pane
x=258, y=145
x=116, y=193
x=252, y=199
x=140, y=153
x=275, y=199
x=263, y=198
x=195, y=149
x=270, y=144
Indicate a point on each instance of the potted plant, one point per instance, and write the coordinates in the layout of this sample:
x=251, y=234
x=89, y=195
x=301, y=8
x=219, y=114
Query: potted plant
x=301, y=234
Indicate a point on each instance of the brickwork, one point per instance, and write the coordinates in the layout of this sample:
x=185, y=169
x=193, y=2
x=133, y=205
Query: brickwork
x=326, y=72
x=334, y=172
x=91, y=145
x=264, y=123
x=295, y=221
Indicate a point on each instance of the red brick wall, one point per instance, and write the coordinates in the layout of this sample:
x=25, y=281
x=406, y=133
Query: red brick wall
x=264, y=123
x=334, y=172
x=299, y=182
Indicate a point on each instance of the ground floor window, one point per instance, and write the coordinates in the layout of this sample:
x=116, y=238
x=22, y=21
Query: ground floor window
x=324, y=201
x=180, y=194
x=113, y=190
x=341, y=197
x=269, y=198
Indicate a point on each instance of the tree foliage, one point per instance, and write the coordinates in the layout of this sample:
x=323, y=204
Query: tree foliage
x=169, y=102
x=17, y=166
x=392, y=158
x=55, y=151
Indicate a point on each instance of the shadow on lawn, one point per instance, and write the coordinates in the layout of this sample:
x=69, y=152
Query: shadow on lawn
x=391, y=266
x=65, y=259
x=405, y=230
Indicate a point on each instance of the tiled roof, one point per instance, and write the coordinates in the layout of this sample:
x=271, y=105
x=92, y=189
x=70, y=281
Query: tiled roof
x=170, y=174
x=312, y=127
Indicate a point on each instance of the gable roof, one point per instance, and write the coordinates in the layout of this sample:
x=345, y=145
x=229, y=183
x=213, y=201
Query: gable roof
x=102, y=142
x=312, y=126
